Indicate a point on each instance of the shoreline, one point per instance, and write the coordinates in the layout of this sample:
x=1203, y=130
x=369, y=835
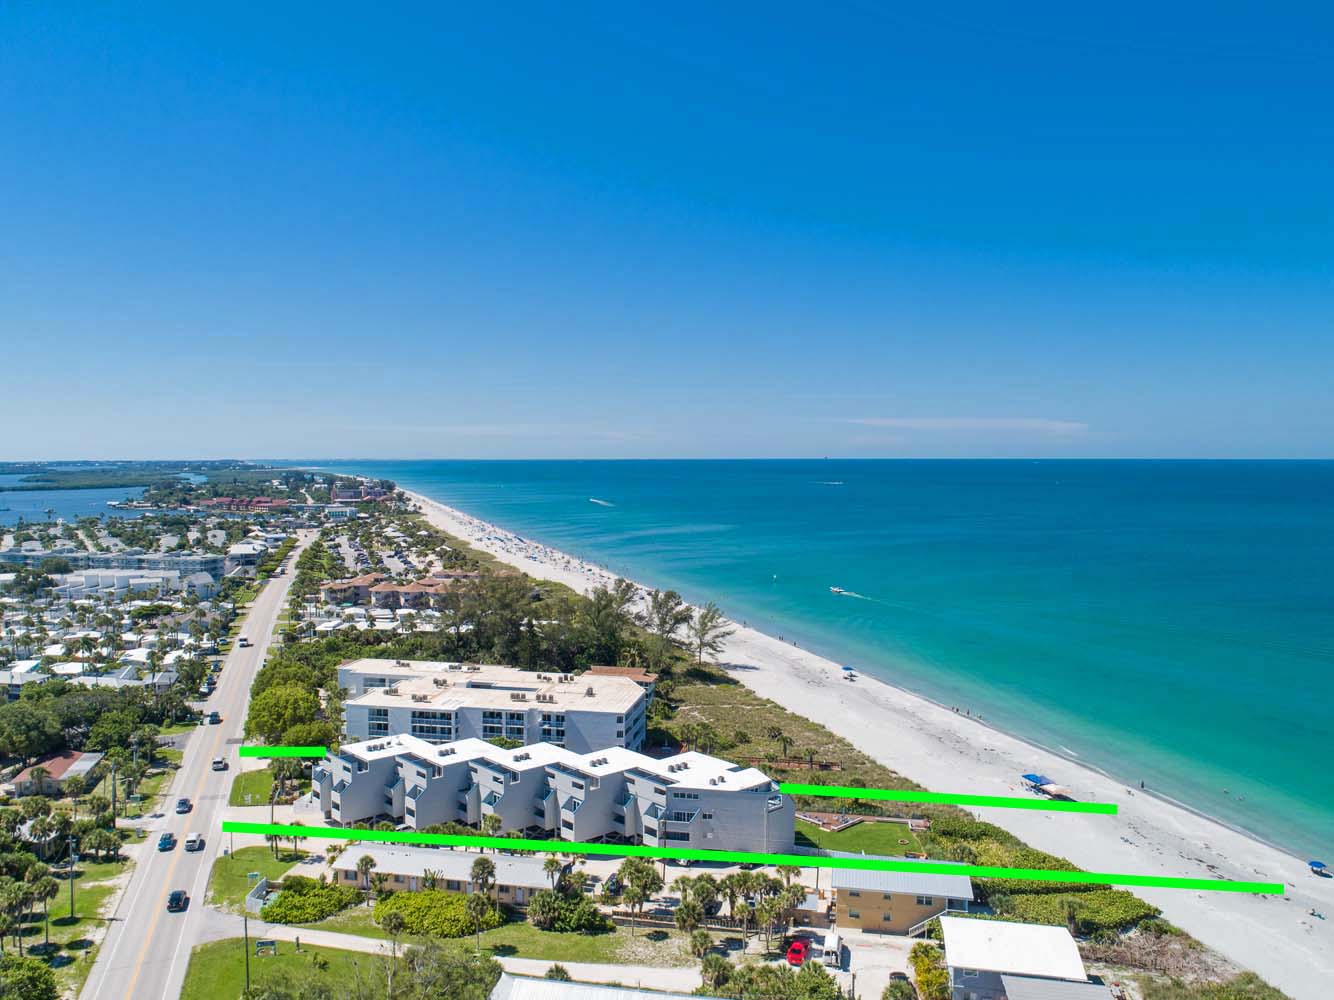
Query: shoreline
x=931, y=744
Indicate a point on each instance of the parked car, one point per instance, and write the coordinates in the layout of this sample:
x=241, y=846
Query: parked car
x=798, y=951
x=166, y=842
x=243, y=642
x=219, y=764
x=214, y=718
x=177, y=900
x=183, y=805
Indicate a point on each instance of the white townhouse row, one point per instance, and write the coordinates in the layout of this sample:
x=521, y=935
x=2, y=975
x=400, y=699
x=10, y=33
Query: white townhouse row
x=446, y=702
x=618, y=795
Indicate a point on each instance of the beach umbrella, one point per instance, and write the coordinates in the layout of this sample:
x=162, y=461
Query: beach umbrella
x=1317, y=866
x=847, y=669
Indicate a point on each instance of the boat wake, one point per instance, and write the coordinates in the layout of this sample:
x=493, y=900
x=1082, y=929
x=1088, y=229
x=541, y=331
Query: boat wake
x=600, y=503
x=849, y=593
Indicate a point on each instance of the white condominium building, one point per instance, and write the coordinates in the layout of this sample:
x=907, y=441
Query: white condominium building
x=689, y=800
x=447, y=702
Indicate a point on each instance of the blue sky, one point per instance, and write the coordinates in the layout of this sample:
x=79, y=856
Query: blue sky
x=713, y=230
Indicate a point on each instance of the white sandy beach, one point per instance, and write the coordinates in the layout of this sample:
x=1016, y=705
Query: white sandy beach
x=1276, y=937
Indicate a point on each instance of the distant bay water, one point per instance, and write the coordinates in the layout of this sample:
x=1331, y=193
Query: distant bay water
x=1171, y=622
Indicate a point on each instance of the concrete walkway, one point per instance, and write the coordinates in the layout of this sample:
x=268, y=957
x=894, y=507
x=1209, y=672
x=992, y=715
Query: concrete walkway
x=218, y=925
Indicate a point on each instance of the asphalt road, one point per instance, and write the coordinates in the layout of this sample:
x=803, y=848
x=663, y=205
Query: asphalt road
x=146, y=949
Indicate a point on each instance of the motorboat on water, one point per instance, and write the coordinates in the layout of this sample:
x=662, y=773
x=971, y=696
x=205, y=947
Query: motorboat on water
x=837, y=590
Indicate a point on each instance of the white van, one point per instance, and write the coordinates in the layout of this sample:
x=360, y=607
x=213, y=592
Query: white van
x=829, y=952
x=194, y=842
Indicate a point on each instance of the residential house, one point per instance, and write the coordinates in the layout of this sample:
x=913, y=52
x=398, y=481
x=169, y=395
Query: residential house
x=517, y=876
x=59, y=768
x=890, y=902
x=1002, y=960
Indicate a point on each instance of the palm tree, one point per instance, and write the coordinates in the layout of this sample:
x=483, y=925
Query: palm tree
x=430, y=878
x=394, y=925
x=553, y=867
x=479, y=908
x=633, y=897
x=483, y=876
x=701, y=943
x=689, y=915
x=715, y=970
x=365, y=864
x=37, y=776
x=46, y=889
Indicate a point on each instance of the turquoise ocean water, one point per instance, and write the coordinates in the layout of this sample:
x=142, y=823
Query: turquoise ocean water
x=1171, y=622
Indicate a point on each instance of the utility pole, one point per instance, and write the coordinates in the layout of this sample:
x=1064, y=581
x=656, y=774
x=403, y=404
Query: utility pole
x=245, y=925
x=72, y=860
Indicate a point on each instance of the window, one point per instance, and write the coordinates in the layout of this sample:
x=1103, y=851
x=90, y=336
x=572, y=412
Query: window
x=706, y=815
x=926, y=901
x=970, y=973
x=886, y=918
x=567, y=824
x=678, y=835
x=854, y=915
x=854, y=893
x=435, y=727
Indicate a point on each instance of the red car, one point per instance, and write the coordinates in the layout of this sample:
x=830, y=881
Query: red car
x=798, y=951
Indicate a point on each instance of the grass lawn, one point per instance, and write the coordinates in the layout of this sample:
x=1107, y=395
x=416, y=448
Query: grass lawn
x=257, y=784
x=217, y=969
x=72, y=950
x=522, y=940
x=165, y=762
x=229, y=881
x=872, y=838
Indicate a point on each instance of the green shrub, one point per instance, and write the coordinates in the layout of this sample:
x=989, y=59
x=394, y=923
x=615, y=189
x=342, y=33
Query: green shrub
x=566, y=913
x=1247, y=986
x=928, y=966
x=995, y=854
x=434, y=913
x=1095, y=911
x=305, y=901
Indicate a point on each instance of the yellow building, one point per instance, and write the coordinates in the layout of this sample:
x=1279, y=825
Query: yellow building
x=896, y=902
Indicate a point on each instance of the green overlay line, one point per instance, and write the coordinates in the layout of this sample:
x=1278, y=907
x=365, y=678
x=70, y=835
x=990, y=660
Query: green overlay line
x=283, y=751
x=747, y=857
x=999, y=801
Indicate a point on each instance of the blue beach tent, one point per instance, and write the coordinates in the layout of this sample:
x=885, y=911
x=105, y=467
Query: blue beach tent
x=1038, y=779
